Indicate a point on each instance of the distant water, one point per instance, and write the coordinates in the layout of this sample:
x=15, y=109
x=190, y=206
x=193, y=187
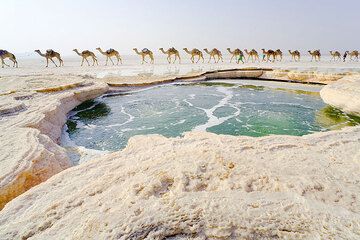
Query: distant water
x=222, y=107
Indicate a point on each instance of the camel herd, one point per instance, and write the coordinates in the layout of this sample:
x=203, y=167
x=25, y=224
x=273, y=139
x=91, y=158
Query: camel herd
x=214, y=54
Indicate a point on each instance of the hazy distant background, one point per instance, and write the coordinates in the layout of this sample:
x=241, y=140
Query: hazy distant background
x=125, y=24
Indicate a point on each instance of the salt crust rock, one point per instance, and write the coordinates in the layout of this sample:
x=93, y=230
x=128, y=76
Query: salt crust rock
x=343, y=94
x=302, y=76
x=201, y=186
x=30, y=129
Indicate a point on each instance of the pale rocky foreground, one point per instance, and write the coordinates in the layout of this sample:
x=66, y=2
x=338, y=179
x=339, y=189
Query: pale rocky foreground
x=199, y=186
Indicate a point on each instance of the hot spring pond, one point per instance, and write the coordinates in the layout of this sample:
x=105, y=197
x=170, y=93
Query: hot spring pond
x=233, y=107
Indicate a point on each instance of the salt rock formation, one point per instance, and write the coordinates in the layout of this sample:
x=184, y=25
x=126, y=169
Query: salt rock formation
x=344, y=94
x=33, y=111
x=201, y=186
x=302, y=76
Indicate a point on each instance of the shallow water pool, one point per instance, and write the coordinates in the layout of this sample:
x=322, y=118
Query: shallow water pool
x=233, y=107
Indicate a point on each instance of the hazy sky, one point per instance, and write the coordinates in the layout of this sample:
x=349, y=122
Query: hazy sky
x=124, y=24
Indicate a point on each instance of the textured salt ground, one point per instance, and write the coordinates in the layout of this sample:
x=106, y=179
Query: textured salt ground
x=201, y=186
x=321, y=169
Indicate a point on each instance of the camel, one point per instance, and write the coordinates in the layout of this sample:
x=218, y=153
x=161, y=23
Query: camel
x=5, y=54
x=214, y=52
x=236, y=53
x=193, y=53
x=145, y=52
x=295, y=55
x=169, y=53
x=253, y=54
x=278, y=53
x=315, y=55
x=270, y=53
x=85, y=54
x=335, y=56
x=353, y=54
x=109, y=54
x=50, y=54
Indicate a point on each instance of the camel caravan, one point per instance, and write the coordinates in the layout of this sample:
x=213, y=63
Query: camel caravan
x=173, y=55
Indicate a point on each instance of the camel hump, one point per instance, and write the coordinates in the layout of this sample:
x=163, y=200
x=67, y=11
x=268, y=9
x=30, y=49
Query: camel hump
x=145, y=50
x=49, y=51
x=3, y=52
x=110, y=50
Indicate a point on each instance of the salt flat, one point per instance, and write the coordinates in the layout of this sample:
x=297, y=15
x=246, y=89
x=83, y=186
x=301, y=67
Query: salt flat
x=199, y=186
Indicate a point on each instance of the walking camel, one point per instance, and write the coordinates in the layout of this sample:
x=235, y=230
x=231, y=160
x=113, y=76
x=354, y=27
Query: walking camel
x=253, y=54
x=353, y=54
x=295, y=55
x=335, y=56
x=315, y=55
x=145, y=52
x=171, y=51
x=85, y=54
x=235, y=54
x=109, y=54
x=5, y=54
x=214, y=52
x=193, y=53
x=269, y=53
x=278, y=53
x=50, y=54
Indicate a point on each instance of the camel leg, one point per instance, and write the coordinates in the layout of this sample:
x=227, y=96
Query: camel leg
x=13, y=62
x=82, y=61
x=192, y=59
x=107, y=59
x=120, y=60
x=179, y=58
x=53, y=62
x=3, y=63
x=94, y=60
x=111, y=61
x=61, y=62
x=87, y=61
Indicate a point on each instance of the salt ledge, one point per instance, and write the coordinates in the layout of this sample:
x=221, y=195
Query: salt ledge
x=200, y=186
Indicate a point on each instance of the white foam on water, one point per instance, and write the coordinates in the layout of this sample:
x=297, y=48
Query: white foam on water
x=129, y=120
x=212, y=119
x=77, y=154
x=179, y=122
x=89, y=126
x=137, y=129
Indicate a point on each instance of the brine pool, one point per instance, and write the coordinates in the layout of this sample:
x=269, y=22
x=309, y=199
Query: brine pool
x=233, y=107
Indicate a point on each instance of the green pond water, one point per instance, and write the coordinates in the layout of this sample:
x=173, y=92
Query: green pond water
x=241, y=107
